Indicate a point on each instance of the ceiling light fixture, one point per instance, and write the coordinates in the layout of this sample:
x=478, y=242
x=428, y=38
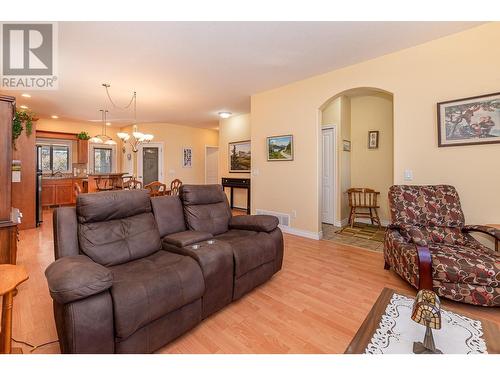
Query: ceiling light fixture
x=55, y=117
x=23, y=106
x=137, y=138
x=26, y=95
x=103, y=137
x=108, y=123
x=225, y=114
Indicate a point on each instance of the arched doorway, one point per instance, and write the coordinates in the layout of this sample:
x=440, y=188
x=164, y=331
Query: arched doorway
x=346, y=158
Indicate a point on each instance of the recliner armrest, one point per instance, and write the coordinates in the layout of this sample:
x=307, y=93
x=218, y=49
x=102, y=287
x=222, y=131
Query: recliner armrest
x=483, y=229
x=76, y=277
x=257, y=223
x=186, y=238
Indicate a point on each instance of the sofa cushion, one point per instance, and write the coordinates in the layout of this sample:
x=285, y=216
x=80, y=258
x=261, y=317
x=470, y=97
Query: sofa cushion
x=147, y=289
x=202, y=194
x=258, y=223
x=423, y=236
x=251, y=252
x=75, y=277
x=118, y=241
x=424, y=206
x=186, y=238
x=206, y=208
x=111, y=205
x=234, y=235
x=169, y=214
x=466, y=265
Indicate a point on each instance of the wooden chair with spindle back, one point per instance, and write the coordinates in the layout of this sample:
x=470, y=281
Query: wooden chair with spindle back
x=132, y=184
x=363, y=204
x=103, y=183
x=156, y=188
x=175, y=186
x=77, y=190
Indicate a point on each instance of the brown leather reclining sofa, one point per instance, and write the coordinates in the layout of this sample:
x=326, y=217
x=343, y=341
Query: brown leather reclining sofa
x=133, y=273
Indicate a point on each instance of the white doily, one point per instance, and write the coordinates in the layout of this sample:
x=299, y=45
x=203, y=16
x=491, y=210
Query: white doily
x=397, y=331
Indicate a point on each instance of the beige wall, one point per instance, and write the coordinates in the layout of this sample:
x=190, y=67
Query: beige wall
x=233, y=129
x=64, y=126
x=174, y=139
x=457, y=66
x=372, y=168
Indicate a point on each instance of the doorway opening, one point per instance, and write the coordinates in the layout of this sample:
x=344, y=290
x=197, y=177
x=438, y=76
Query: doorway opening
x=150, y=163
x=350, y=157
x=211, y=164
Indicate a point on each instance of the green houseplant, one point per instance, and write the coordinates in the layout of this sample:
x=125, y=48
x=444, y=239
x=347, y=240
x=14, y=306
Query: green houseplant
x=83, y=136
x=22, y=120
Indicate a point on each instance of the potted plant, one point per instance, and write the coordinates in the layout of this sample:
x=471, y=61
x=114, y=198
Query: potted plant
x=84, y=136
x=22, y=120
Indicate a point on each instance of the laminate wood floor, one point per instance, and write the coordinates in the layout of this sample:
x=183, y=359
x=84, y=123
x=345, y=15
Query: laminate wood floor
x=315, y=304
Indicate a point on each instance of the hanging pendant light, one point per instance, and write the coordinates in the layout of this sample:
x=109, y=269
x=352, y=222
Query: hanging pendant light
x=103, y=138
x=137, y=138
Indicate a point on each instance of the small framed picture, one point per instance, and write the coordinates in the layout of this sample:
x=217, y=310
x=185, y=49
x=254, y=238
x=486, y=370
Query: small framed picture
x=280, y=148
x=346, y=145
x=469, y=121
x=187, y=157
x=373, y=139
x=240, y=157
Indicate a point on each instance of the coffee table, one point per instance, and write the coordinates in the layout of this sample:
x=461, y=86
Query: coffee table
x=358, y=345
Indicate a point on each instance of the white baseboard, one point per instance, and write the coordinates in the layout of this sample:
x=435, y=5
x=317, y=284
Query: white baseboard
x=341, y=223
x=302, y=233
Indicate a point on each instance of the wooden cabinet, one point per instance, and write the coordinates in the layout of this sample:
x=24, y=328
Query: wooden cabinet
x=83, y=151
x=8, y=242
x=57, y=192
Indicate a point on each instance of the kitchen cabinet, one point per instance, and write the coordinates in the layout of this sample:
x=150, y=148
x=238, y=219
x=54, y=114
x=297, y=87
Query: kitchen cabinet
x=57, y=191
x=83, y=151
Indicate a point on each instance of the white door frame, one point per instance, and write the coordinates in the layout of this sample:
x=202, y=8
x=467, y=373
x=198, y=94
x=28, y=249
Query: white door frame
x=205, y=156
x=334, y=176
x=161, y=174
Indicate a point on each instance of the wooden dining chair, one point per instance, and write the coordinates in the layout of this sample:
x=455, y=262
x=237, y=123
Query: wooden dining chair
x=77, y=190
x=156, y=188
x=175, y=186
x=103, y=183
x=132, y=184
x=363, y=204
x=11, y=276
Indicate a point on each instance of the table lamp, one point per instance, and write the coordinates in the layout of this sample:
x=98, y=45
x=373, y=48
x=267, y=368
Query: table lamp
x=426, y=311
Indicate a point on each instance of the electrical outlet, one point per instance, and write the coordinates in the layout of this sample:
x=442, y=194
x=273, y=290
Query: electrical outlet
x=255, y=171
x=408, y=175
x=294, y=213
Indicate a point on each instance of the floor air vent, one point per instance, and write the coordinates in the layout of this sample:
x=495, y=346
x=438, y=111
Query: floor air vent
x=284, y=219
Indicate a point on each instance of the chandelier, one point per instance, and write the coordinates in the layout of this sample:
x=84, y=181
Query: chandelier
x=136, y=138
x=103, y=137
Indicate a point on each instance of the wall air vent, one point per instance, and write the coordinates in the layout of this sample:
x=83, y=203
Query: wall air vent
x=284, y=219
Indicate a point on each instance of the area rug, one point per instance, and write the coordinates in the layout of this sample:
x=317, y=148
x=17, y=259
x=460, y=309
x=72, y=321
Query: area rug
x=365, y=231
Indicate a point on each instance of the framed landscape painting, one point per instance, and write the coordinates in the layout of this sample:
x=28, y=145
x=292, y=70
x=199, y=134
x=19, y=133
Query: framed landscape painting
x=469, y=121
x=239, y=157
x=280, y=148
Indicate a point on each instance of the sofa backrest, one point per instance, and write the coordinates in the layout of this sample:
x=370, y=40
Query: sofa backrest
x=117, y=226
x=205, y=208
x=169, y=214
x=432, y=205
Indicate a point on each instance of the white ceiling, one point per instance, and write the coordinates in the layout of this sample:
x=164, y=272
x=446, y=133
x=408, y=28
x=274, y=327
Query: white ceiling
x=186, y=72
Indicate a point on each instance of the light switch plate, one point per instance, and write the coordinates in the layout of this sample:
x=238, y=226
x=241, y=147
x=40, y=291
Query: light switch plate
x=408, y=176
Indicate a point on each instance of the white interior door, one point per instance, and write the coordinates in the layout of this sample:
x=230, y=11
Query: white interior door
x=211, y=165
x=328, y=175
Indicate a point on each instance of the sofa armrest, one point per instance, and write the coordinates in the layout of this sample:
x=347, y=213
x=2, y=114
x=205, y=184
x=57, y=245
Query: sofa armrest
x=186, y=238
x=76, y=277
x=257, y=223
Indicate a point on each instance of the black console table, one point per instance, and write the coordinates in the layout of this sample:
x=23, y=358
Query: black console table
x=239, y=183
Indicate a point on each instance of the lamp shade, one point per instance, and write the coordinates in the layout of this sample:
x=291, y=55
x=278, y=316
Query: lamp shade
x=426, y=309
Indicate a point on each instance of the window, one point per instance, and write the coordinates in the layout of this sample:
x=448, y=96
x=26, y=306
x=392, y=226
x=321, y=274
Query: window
x=56, y=155
x=103, y=160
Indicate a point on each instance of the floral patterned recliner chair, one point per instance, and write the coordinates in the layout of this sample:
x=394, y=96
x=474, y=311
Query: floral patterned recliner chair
x=429, y=245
